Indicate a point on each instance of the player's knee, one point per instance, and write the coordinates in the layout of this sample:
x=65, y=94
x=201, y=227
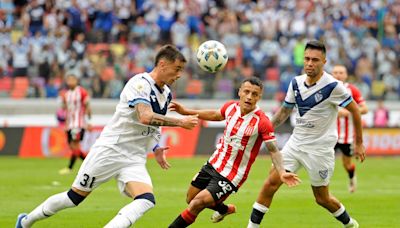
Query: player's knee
x=322, y=200
x=197, y=204
x=75, y=197
x=272, y=183
x=188, y=199
x=147, y=196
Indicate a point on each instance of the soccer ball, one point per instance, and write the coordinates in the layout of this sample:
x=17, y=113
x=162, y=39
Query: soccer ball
x=211, y=56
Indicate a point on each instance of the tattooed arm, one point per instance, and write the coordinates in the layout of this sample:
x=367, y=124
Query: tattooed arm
x=291, y=179
x=147, y=116
x=276, y=156
x=281, y=116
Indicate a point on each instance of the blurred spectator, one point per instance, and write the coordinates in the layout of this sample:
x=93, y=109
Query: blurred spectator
x=381, y=115
x=20, y=58
x=35, y=15
x=107, y=41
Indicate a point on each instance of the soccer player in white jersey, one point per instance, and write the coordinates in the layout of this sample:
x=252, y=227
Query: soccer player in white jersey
x=227, y=169
x=121, y=150
x=76, y=103
x=317, y=96
x=345, y=125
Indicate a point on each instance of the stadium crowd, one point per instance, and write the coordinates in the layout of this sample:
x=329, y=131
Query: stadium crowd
x=105, y=42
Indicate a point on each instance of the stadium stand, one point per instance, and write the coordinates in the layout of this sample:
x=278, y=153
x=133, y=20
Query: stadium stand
x=108, y=41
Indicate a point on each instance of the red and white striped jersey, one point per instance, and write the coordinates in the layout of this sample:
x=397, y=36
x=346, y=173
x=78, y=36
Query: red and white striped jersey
x=75, y=101
x=345, y=124
x=238, y=147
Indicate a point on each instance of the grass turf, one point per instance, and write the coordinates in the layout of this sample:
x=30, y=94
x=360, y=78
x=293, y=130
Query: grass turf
x=27, y=182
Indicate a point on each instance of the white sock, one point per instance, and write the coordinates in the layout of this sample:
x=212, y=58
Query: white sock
x=129, y=214
x=261, y=208
x=339, y=211
x=48, y=208
x=252, y=225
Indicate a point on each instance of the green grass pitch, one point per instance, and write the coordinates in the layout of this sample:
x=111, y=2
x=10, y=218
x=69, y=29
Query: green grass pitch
x=27, y=182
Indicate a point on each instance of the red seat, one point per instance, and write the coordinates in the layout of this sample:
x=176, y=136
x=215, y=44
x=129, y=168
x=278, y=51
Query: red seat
x=5, y=84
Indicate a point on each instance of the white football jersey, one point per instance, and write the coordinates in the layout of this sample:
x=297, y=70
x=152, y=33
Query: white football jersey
x=124, y=132
x=315, y=128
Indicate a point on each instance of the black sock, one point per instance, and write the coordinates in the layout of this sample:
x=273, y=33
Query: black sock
x=179, y=222
x=72, y=161
x=344, y=217
x=221, y=208
x=256, y=216
x=351, y=171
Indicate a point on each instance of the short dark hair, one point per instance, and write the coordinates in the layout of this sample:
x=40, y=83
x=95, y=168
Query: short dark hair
x=170, y=53
x=254, y=81
x=317, y=45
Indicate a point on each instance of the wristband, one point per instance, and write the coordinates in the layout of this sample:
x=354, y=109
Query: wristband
x=155, y=147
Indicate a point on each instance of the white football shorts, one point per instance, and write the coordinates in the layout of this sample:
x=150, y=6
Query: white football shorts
x=103, y=163
x=319, y=167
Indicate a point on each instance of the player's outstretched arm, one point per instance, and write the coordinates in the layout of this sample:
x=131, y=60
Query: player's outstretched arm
x=281, y=115
x=147, y=116
x=212, y=115
x=359, y=149
x=291, y=179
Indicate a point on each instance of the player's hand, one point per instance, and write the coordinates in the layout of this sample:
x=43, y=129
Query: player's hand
x=359, y=151
x=189, y=122
x=161, y=157
x=177, y=107
x=290, y=179
x=343, y=113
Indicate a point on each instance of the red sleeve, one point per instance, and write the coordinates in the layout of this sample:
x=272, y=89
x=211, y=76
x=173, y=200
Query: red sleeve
x=357, y=96
x=85, y=96
x=265, y=128
x=225, y=106
x=62, y=95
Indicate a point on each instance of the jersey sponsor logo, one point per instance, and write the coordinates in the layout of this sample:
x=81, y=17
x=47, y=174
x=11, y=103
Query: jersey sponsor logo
x=153, y=98
x=323, y=173
x=316, y=98
x=308, y=124
x=225, y=187
x=153, y=132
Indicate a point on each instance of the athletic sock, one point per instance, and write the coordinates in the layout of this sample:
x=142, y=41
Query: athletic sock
x=341, y=215
x=129, y=214
x=221, y=208
x=49, y=207
x=352, y=170
x=82, y=155
x=72, y=161
x=183, y=220
x=257, y=215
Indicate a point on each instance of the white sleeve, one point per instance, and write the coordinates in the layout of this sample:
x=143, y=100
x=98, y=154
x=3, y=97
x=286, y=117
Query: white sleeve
x=290, y=100
x=340, y=95
x=137, y=91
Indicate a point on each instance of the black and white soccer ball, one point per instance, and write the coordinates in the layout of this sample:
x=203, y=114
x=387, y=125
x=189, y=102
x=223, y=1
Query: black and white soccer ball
x=212, y=56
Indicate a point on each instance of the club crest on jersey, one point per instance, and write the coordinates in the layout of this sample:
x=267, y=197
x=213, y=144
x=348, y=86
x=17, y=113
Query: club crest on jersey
x=323, y=173
x=318, y=97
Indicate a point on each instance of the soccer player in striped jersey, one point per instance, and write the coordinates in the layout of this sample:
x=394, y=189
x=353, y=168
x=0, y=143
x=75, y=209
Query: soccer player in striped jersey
x=345, y=125
x=121, y=150
x=227, y=169
x=316, y=95
x=78, y=114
